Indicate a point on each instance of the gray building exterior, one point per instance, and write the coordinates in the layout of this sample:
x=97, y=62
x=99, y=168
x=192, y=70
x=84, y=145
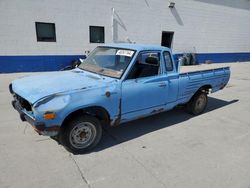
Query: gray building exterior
x=49, y=34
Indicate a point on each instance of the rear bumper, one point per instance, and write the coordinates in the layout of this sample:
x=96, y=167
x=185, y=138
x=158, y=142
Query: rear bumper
x=39, y=127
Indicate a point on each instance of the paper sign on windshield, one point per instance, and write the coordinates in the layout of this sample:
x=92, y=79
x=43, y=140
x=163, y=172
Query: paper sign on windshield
x=128, y=53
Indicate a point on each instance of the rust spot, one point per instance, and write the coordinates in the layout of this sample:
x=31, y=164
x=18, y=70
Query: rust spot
x=41, y=128
x=118, y=119
x=54, y=128
x=157, y=111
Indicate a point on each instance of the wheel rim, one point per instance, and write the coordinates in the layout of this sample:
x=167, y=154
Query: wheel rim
x=200, y=103
x=82, y=135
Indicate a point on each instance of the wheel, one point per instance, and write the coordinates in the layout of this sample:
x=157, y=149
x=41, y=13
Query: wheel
x=197, y=104
x=82, y=134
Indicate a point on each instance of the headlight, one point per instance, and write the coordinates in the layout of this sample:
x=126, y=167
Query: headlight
x=52, y=103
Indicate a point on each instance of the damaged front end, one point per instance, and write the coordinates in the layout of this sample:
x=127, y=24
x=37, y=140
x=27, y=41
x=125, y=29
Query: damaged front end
x=43, y=114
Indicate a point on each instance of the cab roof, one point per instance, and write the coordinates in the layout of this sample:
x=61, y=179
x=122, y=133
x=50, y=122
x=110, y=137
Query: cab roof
x=137, y=47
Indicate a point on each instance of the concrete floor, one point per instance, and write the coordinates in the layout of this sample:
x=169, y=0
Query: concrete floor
x=171, y=149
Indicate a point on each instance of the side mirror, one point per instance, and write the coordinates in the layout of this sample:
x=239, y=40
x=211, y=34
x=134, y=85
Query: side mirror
x=76, y=63
x=180, y=62
x=81, y=60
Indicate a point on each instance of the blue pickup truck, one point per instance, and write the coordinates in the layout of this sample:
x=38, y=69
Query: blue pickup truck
x=116, y=83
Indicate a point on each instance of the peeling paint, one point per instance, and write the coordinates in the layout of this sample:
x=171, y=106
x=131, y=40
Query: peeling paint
x=157, y=111
x=47, y=131
x=118, y=119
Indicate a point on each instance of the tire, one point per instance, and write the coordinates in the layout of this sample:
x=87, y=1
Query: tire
x=197, y=104
x=82, y=134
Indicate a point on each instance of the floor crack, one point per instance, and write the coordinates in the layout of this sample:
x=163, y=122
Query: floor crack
x=79, y=170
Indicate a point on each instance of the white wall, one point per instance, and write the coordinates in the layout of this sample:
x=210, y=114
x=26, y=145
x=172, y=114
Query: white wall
x=200, y=26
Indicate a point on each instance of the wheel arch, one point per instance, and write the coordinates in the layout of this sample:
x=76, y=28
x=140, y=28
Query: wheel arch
x=205, y=88
x=96, y=111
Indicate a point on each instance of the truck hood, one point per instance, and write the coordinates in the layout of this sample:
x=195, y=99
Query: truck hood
x=33, y=88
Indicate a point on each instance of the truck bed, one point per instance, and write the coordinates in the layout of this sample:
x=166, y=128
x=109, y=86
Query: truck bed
x=202, y=67
x=214, y=76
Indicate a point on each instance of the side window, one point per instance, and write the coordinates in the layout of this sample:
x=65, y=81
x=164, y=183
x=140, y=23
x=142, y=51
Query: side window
x=168, y=61
x=147, y=64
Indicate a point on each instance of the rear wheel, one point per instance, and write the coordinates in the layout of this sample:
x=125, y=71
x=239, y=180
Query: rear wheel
x=197, y=104
x=82, y=134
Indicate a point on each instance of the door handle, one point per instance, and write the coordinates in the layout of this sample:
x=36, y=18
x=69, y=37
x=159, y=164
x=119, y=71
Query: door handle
x=162, y=84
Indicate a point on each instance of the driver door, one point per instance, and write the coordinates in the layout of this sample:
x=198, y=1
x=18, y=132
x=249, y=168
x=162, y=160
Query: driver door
x=144, y=92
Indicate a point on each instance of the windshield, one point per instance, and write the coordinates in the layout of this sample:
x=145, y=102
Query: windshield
x=108, y=61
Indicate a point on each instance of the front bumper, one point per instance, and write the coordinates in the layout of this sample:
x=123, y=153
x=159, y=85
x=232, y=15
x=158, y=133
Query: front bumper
x=39, y=127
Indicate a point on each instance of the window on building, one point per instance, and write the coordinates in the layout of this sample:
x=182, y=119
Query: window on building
x=167, y=38
x=45, y=32
x=168, y=61
x=96, y=34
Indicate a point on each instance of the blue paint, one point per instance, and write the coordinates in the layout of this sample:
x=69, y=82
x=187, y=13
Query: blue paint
x=219, y=57
x=65, y=92
x=60, y=92
x=223, y=57
x=10, y=64
x=50, y=83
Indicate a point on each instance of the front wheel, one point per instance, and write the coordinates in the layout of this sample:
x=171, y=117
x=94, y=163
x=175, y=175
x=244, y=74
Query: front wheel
x=82, y=134
x=197, y=104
